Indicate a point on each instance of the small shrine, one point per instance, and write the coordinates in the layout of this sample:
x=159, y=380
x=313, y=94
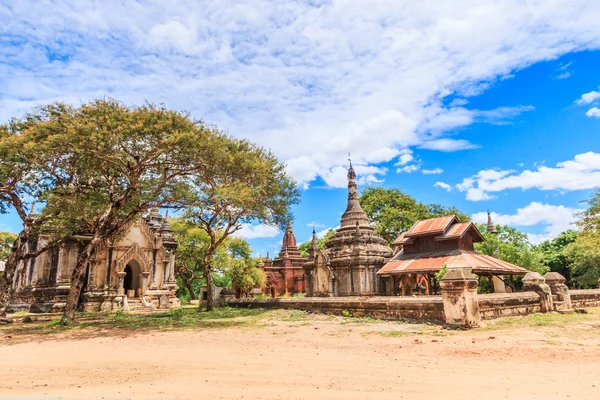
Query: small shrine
x=428, y=245
x=285, y=274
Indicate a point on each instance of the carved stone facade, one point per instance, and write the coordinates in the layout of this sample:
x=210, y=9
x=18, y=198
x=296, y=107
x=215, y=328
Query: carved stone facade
x=285, y=274
x=135, y=269
x=349, y=264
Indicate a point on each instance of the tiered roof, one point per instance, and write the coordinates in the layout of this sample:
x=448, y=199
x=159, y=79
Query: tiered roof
x=421, y=254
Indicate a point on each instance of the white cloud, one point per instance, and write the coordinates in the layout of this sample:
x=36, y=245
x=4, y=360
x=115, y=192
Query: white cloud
x=406, y=156
x=443, y=185
x=316, y=225
x=408, y=168
x=593, y=112
x=583, y=172
x=312, y=80
x=554, y=219
x=589, y=97
x=250, y=231
x=434, y=171
x=448, y=145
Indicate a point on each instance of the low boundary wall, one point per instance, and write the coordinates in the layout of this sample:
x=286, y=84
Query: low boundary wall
x=585, y=298
x=497, y=305
x=422, y=308
x=419, y=308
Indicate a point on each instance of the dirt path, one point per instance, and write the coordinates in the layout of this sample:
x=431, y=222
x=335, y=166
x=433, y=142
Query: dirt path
x=312, y=359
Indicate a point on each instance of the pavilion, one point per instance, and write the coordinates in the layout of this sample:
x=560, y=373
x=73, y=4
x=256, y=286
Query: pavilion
x=428, y=245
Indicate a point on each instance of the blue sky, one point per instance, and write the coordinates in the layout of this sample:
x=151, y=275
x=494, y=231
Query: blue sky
x=475, y=104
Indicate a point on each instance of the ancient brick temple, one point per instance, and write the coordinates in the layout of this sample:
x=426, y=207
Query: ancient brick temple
x=133, y=271
x=285, y=274
x=349, y=265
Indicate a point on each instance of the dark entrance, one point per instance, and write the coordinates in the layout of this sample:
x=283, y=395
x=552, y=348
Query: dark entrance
x=128, y=280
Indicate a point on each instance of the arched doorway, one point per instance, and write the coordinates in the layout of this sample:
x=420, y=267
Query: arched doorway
x=131, y=281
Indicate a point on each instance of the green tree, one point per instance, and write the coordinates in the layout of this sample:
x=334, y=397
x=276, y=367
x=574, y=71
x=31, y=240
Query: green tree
x=244, y=183
x=232, y=261
x=584, y=252
x=512, y=246
x=117, y=162
x=28, y=174
x=392, y=211
x=6, y=243
x=305, y=247
x=555, y=254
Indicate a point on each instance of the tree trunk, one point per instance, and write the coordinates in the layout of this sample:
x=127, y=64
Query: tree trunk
x=6, y=283
x=77, y=280
x=210, y=286
x=188, y=286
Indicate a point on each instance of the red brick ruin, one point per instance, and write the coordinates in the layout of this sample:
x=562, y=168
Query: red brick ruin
x=285, y=274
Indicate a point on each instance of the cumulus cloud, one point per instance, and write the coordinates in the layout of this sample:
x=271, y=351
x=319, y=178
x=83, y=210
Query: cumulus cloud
x=434, y=171
x=589, y=97
x=553, y=219
x=443, y=185
x=593, y=112
x=312, y=80
x=583, y=172
x=448, y=145
x=409, y=168
x=250, y=231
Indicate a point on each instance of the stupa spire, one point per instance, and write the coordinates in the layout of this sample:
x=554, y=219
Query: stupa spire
x=490, y=228
x=354, y=213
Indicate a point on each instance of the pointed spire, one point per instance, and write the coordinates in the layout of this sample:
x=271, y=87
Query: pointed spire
x=491, y=228
x=314, y=245
x=32, y=211
x=354, y=212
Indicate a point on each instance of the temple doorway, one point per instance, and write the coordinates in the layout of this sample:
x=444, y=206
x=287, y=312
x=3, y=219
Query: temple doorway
x=131, y=281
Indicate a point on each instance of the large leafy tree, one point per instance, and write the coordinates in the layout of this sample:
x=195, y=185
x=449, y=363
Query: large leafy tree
x=228, y=260
x=245, y=183
x=118, y=162
x=584, y=252
x=555, y=253
x=512, y=246
x=393, y=211
x=28, y=174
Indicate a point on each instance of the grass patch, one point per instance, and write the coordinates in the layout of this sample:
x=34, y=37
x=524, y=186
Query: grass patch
x=553, y=320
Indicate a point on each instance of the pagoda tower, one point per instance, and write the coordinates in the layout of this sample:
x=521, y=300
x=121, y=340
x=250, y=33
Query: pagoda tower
x=349, y=264
x=285, y=274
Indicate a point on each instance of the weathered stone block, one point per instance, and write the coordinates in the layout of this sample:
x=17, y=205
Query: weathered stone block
x=459, y=293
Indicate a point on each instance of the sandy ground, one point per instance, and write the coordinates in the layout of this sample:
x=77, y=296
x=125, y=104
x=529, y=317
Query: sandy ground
x=316, y=358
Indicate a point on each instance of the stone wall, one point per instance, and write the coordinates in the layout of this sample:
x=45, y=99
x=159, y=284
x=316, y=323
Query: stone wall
x=459, y=305
x=424, y=308
x=497, y=305
x=585, y=298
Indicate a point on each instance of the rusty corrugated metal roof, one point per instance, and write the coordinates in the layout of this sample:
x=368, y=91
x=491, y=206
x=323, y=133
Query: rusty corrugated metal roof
x=432, y=262
x=458, y=230
x=402, y=239
x=431, y=226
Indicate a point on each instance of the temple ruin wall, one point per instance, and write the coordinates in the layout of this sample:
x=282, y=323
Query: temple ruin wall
x=428, y=308
x=419, y=308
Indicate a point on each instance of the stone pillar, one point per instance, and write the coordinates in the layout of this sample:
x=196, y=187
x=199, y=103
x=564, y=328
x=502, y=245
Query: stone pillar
x=144, y=282
x=558, y=288
x=499, y=286
x=459, y=293
x=120, y=288
x=534, y=282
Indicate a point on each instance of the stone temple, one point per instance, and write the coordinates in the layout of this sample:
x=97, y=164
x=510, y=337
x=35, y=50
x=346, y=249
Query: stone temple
x=285, y=274
x=349, y=264
x=133, y=271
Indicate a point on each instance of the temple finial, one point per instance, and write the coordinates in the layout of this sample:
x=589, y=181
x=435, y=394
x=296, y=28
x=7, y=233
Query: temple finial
x=490, y=228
